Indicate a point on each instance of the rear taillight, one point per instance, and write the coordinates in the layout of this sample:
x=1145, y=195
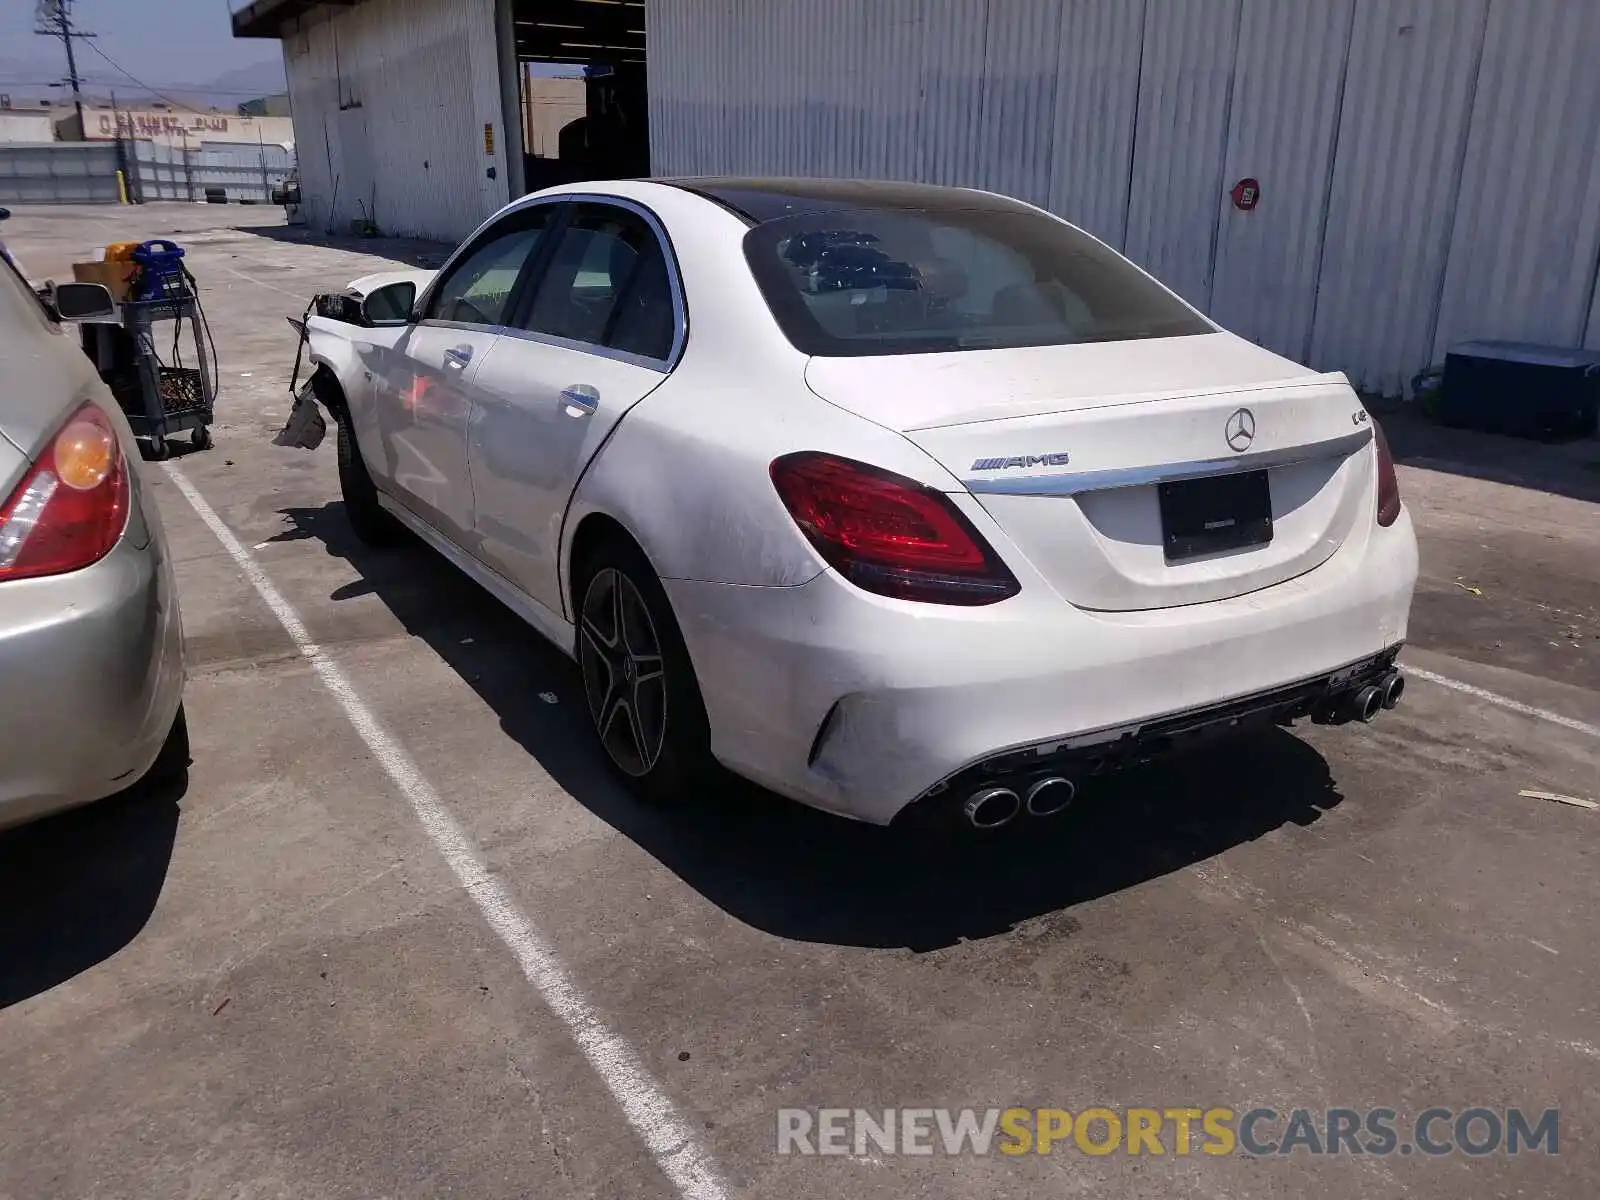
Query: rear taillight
x=889, y=534
x=1388, y=481
x=71, y=506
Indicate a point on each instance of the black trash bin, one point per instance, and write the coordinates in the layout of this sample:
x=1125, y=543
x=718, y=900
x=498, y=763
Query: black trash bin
x=1521, y=389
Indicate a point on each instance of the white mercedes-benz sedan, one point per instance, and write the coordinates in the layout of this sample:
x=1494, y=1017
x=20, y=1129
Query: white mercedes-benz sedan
x=902, y=501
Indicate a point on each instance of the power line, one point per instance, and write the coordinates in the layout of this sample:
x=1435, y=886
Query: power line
x=135, y=79
x=100, y=83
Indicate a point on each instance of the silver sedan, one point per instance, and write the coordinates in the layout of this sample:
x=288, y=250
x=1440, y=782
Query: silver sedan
x=91, y=645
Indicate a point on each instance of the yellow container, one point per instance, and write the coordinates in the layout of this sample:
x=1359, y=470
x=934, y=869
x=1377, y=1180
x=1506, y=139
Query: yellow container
x=117, y=276
x=121, y=251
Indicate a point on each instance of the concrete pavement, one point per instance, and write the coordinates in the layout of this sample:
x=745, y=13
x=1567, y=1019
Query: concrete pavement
x=274, y=985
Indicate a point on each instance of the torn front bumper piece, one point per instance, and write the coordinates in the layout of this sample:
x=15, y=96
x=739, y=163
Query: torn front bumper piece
x=306, y=426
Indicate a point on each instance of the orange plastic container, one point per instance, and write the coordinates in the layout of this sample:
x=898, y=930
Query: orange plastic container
x=121, y=251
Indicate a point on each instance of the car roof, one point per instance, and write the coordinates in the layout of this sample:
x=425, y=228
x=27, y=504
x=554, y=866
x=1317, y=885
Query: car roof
x=759, y=199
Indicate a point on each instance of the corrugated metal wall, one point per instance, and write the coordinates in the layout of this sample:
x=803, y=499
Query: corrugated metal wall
x=1527, y=230
x=390, y=102
x=1429, y=168
x=1100, y=55
x=86, y=172
x=1185, y=93
x=950, y=69
x=1402, y=135
x=59, y=173
x=244, y=171
x=1287, y=85
x=1021, y=69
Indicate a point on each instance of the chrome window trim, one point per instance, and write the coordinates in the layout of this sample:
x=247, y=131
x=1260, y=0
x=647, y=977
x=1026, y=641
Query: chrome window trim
x=1071, y=483
x=464, y=326
x=661, y=365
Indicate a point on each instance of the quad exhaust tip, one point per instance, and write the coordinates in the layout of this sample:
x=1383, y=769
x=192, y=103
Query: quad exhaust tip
x=992, y=807
x=1047, y=797
x=1393, y=688
x=1372, y=700
x=1368, y=703
x=1362, y=703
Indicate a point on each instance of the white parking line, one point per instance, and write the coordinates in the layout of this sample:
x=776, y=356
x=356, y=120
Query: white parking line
x=1505, y=702
x=668, y=1136
x=263, y=283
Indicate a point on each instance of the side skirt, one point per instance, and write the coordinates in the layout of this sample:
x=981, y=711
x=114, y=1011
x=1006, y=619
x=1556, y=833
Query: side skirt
x=552, y=626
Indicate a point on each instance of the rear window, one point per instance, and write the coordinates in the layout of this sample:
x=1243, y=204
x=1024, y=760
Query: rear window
x=910, y=281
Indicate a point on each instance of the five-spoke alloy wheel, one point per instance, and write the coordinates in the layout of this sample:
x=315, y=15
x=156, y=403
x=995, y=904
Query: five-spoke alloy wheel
x=622, y=672
x=638, y=682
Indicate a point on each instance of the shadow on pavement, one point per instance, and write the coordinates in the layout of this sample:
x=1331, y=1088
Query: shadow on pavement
x=78, y=887
x=412, y=251
x=1563, y=469
x=798, y=873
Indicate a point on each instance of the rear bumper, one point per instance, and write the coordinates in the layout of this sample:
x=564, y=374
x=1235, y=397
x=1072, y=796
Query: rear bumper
x=861, y=705
x=93, y=669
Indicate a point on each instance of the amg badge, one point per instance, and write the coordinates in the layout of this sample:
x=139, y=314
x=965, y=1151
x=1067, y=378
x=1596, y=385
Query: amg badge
x=1022, y=460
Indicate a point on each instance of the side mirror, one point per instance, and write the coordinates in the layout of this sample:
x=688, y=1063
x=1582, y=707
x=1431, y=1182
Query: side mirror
x=390, y=305
x=83, y=301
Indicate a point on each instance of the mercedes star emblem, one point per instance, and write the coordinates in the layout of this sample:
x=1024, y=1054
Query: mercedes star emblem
x=1240, y=429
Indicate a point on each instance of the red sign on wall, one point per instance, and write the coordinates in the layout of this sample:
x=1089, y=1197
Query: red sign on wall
x=1246, y=194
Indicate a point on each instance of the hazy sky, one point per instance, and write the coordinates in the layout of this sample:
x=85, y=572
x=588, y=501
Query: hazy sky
x=158, y=41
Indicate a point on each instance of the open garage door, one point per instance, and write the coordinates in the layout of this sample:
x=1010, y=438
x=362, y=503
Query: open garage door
x=583, y=84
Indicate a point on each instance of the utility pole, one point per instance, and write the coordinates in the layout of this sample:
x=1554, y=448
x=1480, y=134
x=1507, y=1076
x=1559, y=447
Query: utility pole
x=55, y=20
x=124, y=164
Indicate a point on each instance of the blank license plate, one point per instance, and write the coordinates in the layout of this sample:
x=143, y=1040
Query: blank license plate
x=1221, y=512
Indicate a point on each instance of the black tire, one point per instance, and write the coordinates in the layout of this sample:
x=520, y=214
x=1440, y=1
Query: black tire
x=368, y=519
x=200, y=439
x=172, y=764
x=160, y=450
x=655, y=736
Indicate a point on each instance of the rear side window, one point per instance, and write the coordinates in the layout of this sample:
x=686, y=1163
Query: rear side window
x=907, y=281
x=608, y=285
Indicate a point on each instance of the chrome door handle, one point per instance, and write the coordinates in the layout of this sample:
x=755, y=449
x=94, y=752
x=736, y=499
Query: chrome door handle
x=581, y=396
x=458, y=356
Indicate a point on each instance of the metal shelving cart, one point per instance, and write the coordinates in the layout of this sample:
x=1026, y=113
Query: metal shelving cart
x=160, y=396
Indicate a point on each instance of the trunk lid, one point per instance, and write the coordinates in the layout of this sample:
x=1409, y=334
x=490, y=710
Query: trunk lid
x=1136, y=475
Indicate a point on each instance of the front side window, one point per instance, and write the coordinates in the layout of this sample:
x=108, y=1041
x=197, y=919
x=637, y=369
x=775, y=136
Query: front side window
x=608, y=285
x=478, y=289
x=906, y=281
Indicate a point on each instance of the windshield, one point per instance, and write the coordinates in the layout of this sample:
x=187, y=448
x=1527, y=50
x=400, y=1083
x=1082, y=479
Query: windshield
x=907, y=281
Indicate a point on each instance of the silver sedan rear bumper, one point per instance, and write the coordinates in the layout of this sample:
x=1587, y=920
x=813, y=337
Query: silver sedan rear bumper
x=91, y=676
